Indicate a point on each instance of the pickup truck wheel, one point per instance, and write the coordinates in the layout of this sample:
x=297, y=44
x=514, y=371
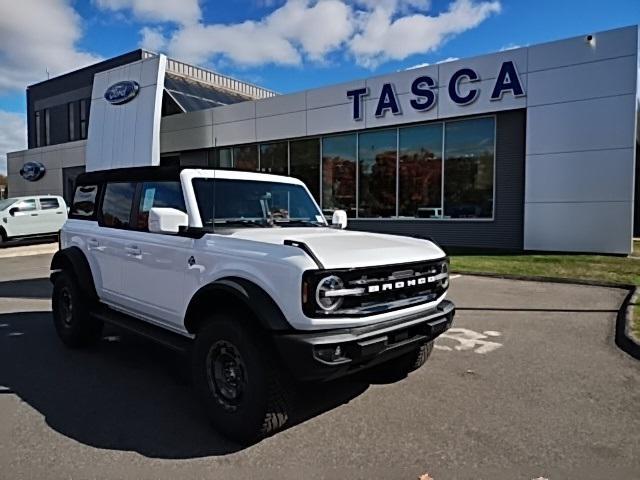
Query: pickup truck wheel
x=237, y=377
x=400, y=367
x=71, y=313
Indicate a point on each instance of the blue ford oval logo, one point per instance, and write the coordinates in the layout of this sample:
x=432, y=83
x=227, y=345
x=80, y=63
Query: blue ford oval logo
x=121, y=92
x=32, y=171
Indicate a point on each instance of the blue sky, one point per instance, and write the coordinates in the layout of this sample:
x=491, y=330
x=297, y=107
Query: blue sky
x=284, y=45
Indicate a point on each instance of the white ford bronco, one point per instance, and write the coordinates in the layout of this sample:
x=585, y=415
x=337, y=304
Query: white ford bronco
x=242, y=272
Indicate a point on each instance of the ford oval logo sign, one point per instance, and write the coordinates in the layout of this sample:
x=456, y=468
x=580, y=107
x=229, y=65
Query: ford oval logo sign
x=122, y=92
x=32, y=171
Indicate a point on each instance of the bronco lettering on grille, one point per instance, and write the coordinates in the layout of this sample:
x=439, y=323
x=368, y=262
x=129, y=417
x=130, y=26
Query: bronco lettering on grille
x=400, y=285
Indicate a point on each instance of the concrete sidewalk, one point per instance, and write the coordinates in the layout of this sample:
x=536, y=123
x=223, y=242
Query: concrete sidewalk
x=27, y=250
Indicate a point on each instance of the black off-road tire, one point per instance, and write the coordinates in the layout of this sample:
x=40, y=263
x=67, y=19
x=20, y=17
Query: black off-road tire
x=265, y=402
x=3, y=237
x=72, y=313
x=400, y=367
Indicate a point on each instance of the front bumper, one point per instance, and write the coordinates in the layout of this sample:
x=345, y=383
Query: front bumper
x=312, y=356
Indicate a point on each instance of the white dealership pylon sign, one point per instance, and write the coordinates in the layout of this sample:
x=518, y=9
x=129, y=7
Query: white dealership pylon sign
x=126, y=108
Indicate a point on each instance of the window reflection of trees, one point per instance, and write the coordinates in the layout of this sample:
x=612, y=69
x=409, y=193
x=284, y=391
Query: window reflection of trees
x=339, y=174
x=427, y=177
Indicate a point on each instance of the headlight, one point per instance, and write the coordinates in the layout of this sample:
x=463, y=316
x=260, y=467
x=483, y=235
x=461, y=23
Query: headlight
x=324, y=290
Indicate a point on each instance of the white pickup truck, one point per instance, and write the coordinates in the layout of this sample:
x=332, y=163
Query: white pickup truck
x=35, y=216
x=242, y=272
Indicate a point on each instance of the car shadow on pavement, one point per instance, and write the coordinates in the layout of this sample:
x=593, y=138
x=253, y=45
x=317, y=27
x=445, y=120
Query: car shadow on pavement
x=26, y=242
x=125, y=393
x=29, y=288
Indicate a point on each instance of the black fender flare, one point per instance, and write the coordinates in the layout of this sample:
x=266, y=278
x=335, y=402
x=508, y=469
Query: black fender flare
x=73, y=259
x=234, y=291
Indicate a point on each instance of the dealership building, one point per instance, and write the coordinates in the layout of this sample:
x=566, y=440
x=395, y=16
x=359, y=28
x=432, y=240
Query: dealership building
x=533, y=148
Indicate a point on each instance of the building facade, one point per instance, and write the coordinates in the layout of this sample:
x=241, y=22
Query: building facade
x=527, y=149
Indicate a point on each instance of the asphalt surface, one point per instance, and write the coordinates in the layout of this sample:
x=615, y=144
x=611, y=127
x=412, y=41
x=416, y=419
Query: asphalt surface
x=529, y=384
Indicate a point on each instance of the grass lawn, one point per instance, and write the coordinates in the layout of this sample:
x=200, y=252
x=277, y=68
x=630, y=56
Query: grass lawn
x=584, y=267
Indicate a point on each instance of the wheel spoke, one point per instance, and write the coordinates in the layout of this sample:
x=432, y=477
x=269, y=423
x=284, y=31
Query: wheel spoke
x=226, y=372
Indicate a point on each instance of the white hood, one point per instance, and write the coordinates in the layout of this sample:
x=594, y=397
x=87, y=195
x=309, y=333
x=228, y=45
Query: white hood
x=348, y=249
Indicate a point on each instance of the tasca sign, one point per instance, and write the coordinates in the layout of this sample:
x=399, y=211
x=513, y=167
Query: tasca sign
x=424, y=91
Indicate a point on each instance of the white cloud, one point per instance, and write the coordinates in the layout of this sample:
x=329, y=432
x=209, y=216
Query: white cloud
x=37, y=36
x=13, y=136
x=384, y=37
x=318, y=29
x=153, y=39
x=247, y=43
x=284, y=37
x=370, y=31
x=174, y=11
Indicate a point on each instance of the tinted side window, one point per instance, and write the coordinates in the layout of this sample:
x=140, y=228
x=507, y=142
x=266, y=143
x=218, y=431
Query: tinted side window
x=84, y=201
x=25, y=205
x=116, y=205
x=158, y=194
x=49, y=203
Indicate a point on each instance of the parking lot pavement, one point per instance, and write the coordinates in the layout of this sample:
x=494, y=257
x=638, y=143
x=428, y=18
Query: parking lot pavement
x=527, y=384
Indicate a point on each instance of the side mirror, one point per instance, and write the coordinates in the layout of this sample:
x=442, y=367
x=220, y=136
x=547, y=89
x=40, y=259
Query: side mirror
x=339, y=219
x=167, y=220
x=13, y=211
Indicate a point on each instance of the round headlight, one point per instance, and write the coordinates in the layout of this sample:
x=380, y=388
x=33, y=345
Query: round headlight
x=327, y=302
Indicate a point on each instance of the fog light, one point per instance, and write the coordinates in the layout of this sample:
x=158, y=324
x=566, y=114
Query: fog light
x=330, y=354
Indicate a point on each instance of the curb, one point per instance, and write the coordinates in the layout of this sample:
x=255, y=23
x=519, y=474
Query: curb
x=632, y=343
x=624, y=338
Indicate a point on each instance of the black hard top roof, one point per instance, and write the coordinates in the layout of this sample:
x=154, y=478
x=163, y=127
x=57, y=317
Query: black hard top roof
x=132, y=174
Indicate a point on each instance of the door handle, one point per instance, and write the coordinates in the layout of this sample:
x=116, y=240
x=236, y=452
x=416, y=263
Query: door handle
x=93, y=243
x=58, y=213
x=133, y=250
x=34, y=214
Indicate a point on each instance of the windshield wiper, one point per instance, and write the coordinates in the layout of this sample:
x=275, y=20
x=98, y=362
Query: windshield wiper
x=306, y=223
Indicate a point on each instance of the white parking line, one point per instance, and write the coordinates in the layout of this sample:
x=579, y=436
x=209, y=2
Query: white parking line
x=451, y=277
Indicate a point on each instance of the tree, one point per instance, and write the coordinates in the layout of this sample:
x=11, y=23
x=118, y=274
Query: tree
x=3, y=181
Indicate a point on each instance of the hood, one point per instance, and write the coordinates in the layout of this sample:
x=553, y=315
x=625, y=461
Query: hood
x=348, y=249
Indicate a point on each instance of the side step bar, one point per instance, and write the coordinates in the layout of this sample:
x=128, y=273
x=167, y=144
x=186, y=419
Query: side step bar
x=173, y=341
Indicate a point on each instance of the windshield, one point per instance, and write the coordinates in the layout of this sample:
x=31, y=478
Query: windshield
x=7, y=202
x=255, y=204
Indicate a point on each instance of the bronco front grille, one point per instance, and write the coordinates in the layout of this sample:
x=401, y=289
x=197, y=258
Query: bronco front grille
x=371, y=290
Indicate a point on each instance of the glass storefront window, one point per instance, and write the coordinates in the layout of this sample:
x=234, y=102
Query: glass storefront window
x=246, y=157
x=438, y=170
x=71, y=114
x=305, y=163
x=339, y=174
x=273, y=158
x=468, y=168
x=377, y=154
x=420, y=182
x=221, y=158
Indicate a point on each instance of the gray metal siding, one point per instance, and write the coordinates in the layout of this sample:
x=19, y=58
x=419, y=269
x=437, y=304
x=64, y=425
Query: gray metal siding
x=66, y=88
x=505, y=231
